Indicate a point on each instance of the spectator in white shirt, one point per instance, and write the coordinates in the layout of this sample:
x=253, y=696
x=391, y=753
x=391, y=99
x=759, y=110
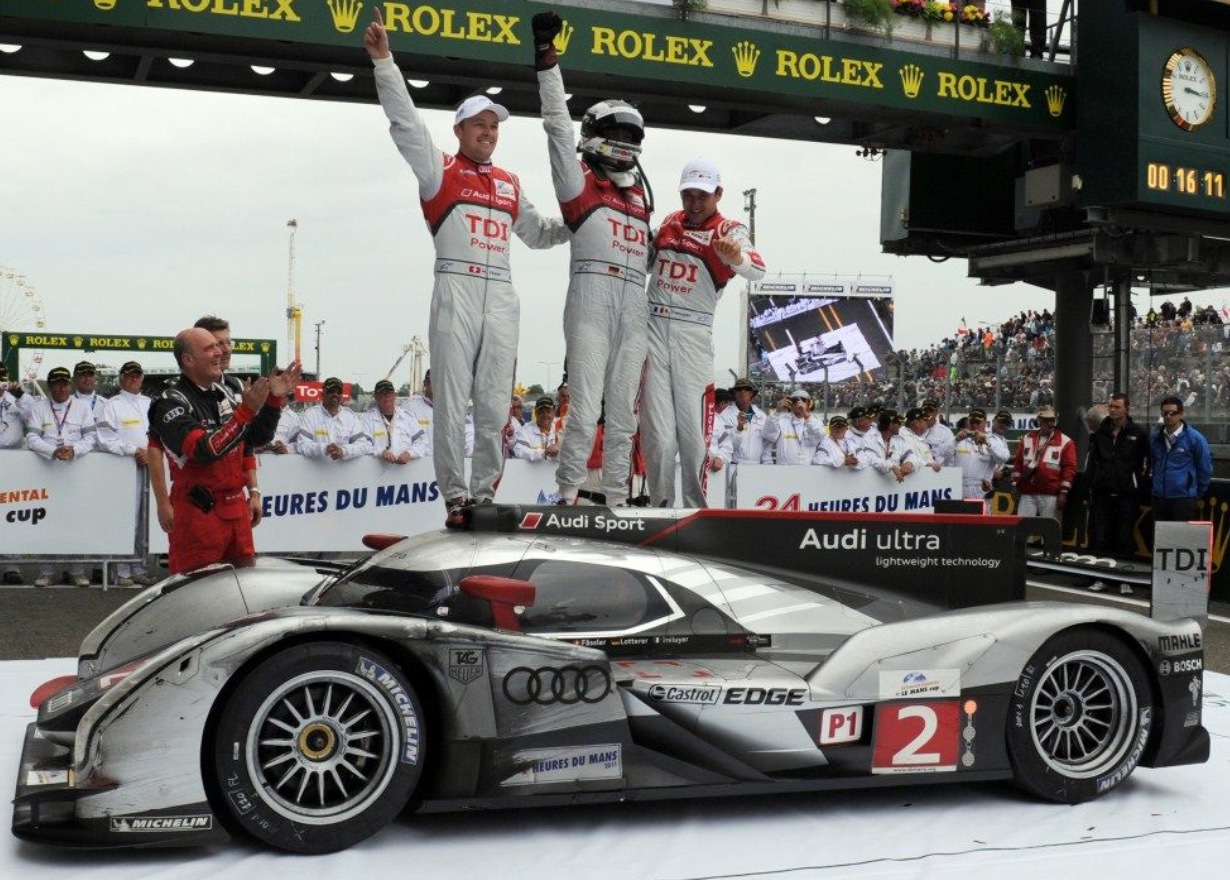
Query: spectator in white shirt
x=796, y=433
x=721, y=440
x=85, y=378
x=61, y=429
x=838, y=449
x=123, y=429
x=979, y=454
x=938, y=435
x=422, y=408
x=396, y=435
x=14, y=408
x=330, y=430
x=538, y=440
x=747, y=422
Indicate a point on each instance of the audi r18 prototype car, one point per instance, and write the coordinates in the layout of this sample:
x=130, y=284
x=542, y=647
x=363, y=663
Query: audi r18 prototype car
x=561, y=655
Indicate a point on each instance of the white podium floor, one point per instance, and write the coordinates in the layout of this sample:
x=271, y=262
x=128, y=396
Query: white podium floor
x=1161, y=823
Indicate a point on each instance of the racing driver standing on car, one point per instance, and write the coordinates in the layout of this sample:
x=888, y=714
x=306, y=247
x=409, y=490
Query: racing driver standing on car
x=603, y=201
x=696, y=252
x=471, y=206
x=208, y=440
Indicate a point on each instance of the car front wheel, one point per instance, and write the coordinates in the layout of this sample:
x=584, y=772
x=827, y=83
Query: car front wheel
x=319, y=747
x=1079, y=718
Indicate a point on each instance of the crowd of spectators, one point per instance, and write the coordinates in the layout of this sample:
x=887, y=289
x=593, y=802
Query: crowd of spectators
x=1175, y=350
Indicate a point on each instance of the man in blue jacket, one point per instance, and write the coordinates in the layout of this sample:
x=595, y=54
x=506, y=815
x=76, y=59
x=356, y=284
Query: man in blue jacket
x=1182, y=465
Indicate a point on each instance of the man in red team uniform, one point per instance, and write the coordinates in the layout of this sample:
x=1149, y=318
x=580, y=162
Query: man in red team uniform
x=696, y=252
x=208, y=440
x=472, y=208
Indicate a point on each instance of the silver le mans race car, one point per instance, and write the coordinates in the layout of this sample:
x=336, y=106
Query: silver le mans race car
x=547, y=655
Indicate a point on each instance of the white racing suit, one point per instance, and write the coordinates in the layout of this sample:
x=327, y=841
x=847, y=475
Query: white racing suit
x=471, y=210
x=605, y=315
x=688, y=279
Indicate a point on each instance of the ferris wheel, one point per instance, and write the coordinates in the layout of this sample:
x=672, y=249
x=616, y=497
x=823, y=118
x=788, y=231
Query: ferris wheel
x=21, y=308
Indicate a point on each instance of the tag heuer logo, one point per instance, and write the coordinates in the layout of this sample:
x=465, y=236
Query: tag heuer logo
x=141, y=824
x=465, y=664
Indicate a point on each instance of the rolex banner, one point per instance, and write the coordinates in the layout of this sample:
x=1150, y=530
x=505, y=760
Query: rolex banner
x=640, y=41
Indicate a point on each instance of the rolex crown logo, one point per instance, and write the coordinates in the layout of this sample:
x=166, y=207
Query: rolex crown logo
x=77, y=340
x=562, y=38
x=746, y=55
x=105, y=5
x=911, y=80
x=13, y=339
x=1055, y=96
x=141, y=343
x=265, y=347
x=345, y=14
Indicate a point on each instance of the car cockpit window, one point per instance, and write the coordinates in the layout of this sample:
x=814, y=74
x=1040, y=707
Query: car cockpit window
x=578, y=597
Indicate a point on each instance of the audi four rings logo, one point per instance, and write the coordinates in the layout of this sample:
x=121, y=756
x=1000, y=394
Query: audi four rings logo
x=566, y=685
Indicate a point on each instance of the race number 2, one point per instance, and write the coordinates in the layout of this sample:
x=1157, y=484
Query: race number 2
x=916, y=737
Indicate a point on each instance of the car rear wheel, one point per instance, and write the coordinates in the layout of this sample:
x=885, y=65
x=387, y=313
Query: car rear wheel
x=319, y=747
x=1079, y=718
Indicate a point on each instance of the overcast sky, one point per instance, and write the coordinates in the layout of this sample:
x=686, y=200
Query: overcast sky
x=136, y=210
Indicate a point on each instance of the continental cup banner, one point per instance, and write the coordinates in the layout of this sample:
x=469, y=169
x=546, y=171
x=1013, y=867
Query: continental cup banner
x=57, y=508
x=822, y=489
x=647, y=42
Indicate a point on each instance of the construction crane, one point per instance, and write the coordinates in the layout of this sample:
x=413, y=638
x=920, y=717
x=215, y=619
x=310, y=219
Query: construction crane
x=416, y=346
x=294, y=314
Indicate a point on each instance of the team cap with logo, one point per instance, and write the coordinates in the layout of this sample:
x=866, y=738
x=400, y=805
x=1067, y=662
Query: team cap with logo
x=476, y=104
x=700, y=174
x=59, y=374
x=83, y=367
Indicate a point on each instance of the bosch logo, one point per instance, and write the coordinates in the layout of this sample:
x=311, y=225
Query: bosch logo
x=565, y=685
x=1175, y=667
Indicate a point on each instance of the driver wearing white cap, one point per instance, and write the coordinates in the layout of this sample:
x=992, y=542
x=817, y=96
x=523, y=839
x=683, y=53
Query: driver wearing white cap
x=696, y=252
x=471, y=207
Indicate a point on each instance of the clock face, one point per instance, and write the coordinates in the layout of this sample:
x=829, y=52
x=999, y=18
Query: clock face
x=1189, y=89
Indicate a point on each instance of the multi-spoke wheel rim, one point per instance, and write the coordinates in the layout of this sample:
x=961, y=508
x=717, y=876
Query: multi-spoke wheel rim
x=1083, y=714
x=323, y=746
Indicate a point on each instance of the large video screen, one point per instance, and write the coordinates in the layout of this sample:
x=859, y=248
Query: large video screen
x=806, y=329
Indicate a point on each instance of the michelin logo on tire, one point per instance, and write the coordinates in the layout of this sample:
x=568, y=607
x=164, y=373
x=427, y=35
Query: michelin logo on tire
x=373, y=671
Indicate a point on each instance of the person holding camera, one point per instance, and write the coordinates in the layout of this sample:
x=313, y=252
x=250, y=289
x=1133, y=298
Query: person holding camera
x=979, y=454
x=209, y=443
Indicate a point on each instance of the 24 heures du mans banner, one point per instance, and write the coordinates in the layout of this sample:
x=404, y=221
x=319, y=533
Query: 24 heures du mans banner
x=648, y=43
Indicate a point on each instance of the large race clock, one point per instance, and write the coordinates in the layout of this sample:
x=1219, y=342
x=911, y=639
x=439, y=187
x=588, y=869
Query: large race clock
x=1189, y=89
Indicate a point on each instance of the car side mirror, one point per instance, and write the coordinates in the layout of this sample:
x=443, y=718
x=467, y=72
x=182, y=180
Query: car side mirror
x=503, y=595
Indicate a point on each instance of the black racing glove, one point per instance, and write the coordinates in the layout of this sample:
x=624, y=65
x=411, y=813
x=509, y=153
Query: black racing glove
x=546, y=27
